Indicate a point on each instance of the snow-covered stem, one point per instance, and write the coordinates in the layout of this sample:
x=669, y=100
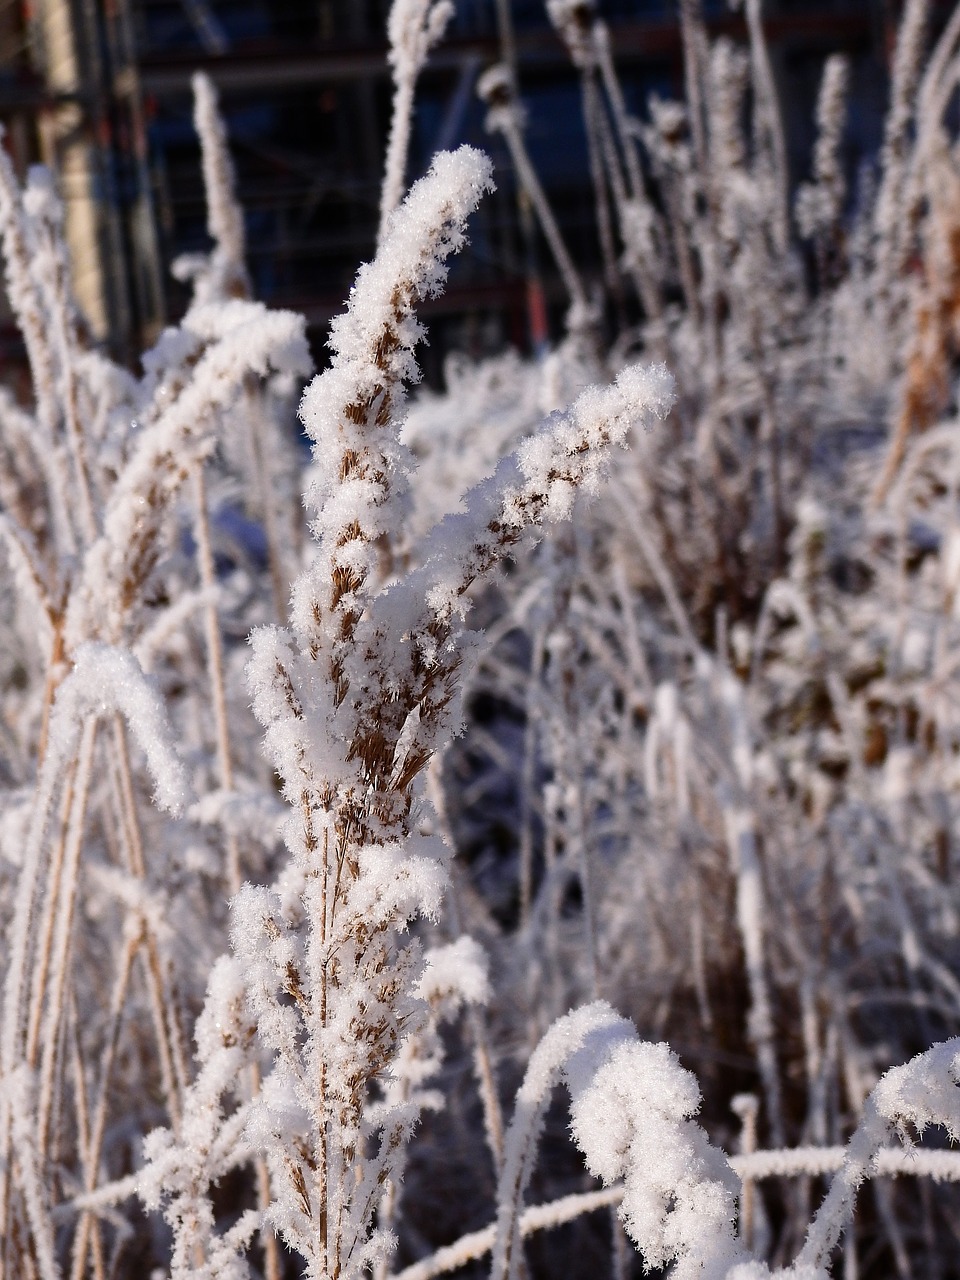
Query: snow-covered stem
x=94, y=1144
x=20, y=251
x=587, y=40
x=746, y=1106
x=455, y=977
x=538, y=1217
x=64, y=922
x=626, y=130
x=727, y=85
x=820, y=203
x=504, y=117
x=922, y=1092
x=226, y=779
x=924, y=388
x=29, y=1163
x=483, y=1067
x=937, y=84
x=413, y=29
x=638, y=221
x=173, y=1067
x=597, y=127
x=483, y=1060
x=817, y=1162
x=562, y=1040
x=52, y=270
x=745, y=864
x=218, y=277
x=693, y=35
x=889, y=220
x=211, y=628
x=230, y=340
x=273, y=482
x=630, y=1109
x=769, y=123
x=225, y=275
x=102, y=680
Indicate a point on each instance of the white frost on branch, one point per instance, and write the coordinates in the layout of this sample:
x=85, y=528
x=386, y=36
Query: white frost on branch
x=222, y=273
x=631, y=1108
x=922, y=1092
x=228, y=342
x=820, y=203
x=413, y=29
x=177, y=1173
x=107, y=679
x=538, y=483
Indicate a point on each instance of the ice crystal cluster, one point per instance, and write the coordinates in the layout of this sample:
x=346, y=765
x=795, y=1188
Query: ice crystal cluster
x=565, y=810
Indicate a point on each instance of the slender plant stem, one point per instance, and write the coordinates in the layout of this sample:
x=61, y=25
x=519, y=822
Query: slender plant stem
x=211, y=628
x=51, y=899
x=168, y=1042
x=56, y=1007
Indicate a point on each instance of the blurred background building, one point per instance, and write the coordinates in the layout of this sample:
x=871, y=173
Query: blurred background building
x=100, y=89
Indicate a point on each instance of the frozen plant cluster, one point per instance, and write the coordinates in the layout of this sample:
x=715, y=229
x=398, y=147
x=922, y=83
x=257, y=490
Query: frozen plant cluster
x=606, y=703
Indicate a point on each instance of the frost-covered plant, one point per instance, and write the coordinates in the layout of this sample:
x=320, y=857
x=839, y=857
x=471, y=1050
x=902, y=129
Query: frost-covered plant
x=728, y=686
x=356, y=695
x=414, y=27
x=94, y=478
x=708, y=767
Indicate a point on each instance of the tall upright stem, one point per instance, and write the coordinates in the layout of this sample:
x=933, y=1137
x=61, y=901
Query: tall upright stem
x=770, y=123
x=173, y=1069
x=694, y=40
x=65, y=913
x=398, y=146
x=211, y=628
x=548, y=223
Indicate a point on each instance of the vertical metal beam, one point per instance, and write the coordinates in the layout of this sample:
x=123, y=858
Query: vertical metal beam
x=66, y=148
